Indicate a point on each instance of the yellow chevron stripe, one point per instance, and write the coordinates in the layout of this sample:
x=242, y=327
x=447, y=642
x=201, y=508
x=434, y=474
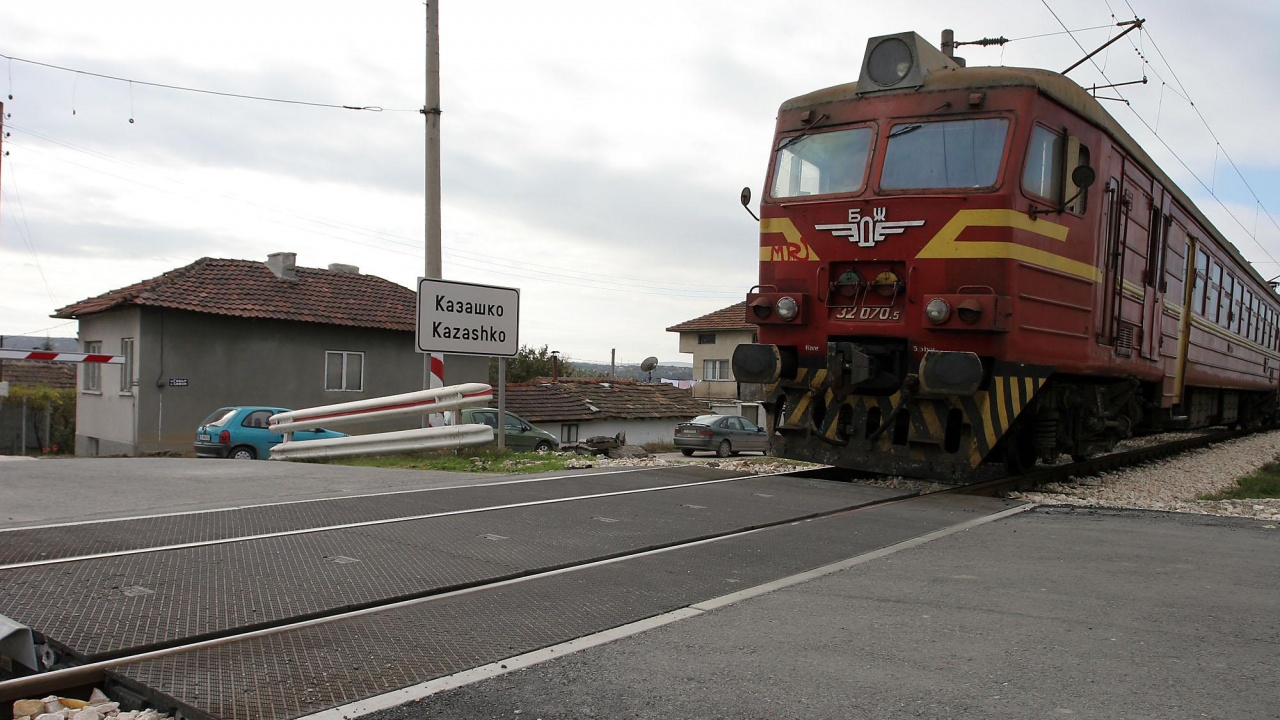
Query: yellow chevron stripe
x=944, y=244
x=796, y=249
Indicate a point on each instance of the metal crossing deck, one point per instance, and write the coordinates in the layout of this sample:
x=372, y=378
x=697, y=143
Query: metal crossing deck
x=112, y=607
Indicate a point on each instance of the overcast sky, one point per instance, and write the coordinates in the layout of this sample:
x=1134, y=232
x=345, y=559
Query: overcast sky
x=593, y=151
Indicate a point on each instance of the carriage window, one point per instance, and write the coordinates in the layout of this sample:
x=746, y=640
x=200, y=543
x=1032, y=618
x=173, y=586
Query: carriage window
x=1199, y=281
x=1237, y=307
x=1042, y=174
x=1224, y=301
x=1213, y=304
x=822, y=164
x=944, y=155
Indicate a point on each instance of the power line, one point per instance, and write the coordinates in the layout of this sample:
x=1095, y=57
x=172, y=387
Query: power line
x=379, y=240
x=370, y=108
x=1250, y=234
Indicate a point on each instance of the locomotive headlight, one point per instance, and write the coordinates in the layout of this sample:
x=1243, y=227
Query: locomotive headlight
x=889, y=62
x=938, y=310
x=787, y=307
x=887, y=283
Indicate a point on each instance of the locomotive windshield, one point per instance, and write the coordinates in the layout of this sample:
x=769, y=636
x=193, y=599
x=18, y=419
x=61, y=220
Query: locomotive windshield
x=831, y=162
x=943, y=155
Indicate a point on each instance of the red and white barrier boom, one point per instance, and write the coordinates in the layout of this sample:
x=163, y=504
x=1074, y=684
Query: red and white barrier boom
x=437, y=400
x=51, y=356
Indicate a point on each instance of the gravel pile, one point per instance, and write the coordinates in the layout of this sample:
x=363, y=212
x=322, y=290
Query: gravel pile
x=1170, y=485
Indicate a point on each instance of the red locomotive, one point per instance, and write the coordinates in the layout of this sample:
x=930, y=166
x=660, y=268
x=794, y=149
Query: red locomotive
x=963, y=265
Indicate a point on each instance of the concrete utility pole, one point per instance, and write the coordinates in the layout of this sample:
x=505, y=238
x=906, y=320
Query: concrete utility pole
x=433, y=363
x=431, y=109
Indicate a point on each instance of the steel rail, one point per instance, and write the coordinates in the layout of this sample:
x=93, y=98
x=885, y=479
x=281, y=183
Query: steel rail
x=366, y=523
x=90, y=673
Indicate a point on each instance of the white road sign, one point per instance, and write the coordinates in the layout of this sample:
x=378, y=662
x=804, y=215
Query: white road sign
x=468, y=319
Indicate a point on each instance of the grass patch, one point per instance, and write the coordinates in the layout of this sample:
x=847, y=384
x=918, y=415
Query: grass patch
x=1263, y=483
x=465, y=460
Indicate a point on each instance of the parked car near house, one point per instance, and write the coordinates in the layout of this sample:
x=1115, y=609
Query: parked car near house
x=242, y=433
x=724, y=435
x=522, y=435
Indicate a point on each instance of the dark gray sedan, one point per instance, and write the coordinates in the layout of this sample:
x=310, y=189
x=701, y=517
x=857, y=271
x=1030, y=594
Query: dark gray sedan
x=724, y=435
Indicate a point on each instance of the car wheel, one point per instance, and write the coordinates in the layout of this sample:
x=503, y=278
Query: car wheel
x=542, y=446
x=686, y=452
x=242, y=452
x=724, y=449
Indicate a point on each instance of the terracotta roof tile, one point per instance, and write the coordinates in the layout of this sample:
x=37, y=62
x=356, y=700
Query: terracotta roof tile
x=60, y=376
x=245, y=288
x=733, y=317
x=585, y=400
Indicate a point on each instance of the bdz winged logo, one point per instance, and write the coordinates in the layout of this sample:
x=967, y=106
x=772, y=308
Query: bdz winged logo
x=867, y=230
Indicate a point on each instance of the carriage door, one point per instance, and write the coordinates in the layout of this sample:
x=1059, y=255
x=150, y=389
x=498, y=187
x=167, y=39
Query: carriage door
x=1154, y=280
x=1133, y=294
x=1113, y=223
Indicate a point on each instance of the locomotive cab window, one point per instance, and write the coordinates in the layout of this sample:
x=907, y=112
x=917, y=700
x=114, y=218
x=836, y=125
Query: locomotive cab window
x=947, y=155
x=822, y=164
x=1042, y=174
x=1051, y=157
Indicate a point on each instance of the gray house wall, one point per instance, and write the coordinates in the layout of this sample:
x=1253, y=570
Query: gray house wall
x=189, y=364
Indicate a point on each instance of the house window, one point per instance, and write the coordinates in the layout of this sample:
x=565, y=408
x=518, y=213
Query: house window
x=715, y=369
x=344, y=371
x=568, y=433
x=93, y=371
x=126, y=370
x=706, y=338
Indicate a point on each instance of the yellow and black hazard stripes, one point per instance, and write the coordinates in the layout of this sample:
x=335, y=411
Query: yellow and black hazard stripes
x=809, y=383
x=897, y=431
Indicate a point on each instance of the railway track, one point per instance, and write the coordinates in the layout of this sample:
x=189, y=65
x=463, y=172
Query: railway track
x=707, y=512
x=97, y=672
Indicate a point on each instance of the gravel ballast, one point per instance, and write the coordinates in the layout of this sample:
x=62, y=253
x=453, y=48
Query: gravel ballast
x=1170, y=485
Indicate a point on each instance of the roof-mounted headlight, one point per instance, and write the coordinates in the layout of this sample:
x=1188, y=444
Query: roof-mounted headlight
x=889, y=62
x=899, y=61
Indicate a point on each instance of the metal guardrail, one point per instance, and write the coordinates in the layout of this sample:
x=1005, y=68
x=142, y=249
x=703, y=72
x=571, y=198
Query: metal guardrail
x=423, y=402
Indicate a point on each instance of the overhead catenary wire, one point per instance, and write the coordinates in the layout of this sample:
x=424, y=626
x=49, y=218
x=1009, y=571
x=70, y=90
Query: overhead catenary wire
x=1146, y=33
x=379, y=240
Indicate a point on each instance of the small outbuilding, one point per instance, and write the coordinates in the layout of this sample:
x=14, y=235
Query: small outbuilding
x=576, y=409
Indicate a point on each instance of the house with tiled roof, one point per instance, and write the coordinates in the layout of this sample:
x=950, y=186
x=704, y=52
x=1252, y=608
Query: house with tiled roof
x=27, y=427
x=712, y=339
x=576, y=409
x=222, y=332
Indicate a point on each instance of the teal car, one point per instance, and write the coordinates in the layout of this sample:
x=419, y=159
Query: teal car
x=522, y=436
x=242, y=433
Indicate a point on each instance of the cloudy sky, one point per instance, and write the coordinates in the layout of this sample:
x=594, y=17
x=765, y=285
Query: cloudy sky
x=593, y=151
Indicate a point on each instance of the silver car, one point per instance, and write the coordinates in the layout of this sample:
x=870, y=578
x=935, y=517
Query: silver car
x=723, y=434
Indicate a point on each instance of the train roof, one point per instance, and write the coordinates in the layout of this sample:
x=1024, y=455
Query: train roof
x=1053, y=85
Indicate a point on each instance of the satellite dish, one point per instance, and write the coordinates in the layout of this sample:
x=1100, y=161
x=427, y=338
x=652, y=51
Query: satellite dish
x=648, y=365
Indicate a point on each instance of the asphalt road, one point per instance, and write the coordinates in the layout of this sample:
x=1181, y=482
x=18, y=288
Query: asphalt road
x=1050, y=613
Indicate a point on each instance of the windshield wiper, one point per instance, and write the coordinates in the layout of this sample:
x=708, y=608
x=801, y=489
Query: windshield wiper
x=904, y=129
x=804, y=132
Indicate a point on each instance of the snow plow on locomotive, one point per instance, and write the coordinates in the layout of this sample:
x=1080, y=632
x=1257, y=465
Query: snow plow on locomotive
x=967, y=265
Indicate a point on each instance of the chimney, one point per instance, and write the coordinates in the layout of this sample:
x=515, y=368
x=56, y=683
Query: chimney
x=344, y=268
x=282, y=264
